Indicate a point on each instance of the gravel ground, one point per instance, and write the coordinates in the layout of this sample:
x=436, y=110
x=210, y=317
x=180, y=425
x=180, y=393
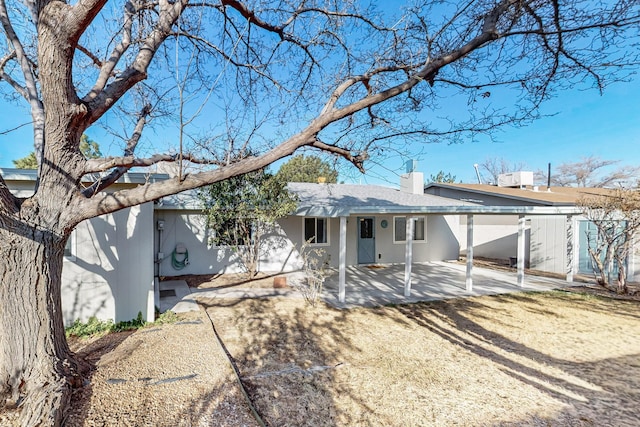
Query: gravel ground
x=167, y=375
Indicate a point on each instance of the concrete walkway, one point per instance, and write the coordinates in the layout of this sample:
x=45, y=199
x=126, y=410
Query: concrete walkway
x=376, y=285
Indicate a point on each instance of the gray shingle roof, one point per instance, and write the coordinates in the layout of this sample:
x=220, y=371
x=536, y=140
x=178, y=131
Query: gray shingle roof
x=332, y=200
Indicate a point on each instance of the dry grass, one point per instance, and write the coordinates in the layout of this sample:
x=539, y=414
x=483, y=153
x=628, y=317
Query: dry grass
x=523, y=359
x=556, y=359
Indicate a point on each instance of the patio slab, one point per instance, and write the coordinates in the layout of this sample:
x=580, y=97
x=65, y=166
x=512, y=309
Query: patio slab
x=382, y=285
x=177, y=297
x=369, y=286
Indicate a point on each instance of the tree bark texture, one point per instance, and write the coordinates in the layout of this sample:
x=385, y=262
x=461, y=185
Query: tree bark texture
x=37, y=369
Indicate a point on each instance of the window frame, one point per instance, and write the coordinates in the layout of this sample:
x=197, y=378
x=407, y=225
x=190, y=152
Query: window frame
x=315, y=234
x=419, y=218
x=71, y=243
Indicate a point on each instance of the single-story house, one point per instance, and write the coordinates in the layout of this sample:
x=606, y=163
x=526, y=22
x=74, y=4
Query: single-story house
x=113, y=262
x=352, y=224
x=546, y=237
x=108, y=267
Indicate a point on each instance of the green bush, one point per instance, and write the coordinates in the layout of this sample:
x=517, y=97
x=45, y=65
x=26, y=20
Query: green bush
x=92, y=327
x=166, y=317
x=101, y=327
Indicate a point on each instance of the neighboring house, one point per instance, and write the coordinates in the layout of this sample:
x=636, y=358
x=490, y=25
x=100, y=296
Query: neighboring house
x=548, y=238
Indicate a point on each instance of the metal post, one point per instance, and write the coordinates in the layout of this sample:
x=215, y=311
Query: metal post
x=469, y=279
x=521, y=247
x=342, y=259
x=408, y=256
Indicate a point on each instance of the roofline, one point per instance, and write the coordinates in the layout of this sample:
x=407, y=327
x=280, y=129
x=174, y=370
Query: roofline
x=13, y=174
x=440, y=210
x=502, y=195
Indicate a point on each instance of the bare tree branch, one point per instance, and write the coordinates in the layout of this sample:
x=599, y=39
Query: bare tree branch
x=102, y=98
x=30, y=90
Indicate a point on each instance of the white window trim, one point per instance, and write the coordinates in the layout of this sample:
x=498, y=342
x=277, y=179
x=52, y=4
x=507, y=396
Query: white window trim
x=326, y=222
x=402, y=242
x=73, y=248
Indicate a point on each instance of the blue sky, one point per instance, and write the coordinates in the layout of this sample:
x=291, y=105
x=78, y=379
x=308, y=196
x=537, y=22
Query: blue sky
x=585, y=124
x=579, y=124
x=582, y=124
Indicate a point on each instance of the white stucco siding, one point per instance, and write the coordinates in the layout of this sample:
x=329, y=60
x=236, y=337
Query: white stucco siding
x=494, y=236
x=549, y=243
x=189, y=229
x=110, y=275
x=441, y=240
x=280, y=252
x=442, y=236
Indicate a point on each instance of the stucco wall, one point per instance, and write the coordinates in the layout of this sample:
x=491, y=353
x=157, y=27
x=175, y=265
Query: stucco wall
x=494, y=236
x=110, y=274
x=282, y=253
x=441, y=241
x=190, y=229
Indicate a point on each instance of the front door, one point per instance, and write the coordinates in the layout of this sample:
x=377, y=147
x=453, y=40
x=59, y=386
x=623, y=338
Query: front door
x=366, y=240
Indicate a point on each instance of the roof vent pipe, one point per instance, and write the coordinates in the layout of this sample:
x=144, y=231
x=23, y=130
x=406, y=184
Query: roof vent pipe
x=475, y=166
x=549, y=176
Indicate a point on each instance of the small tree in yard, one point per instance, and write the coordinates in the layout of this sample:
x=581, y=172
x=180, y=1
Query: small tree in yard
x=244, y=209
x=315, y=269
x=303, y=168
x=617, y=221
x=270, y=78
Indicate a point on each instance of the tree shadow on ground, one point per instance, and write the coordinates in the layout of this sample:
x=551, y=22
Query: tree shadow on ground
x=89, y=354
x=307, y=366
x=290, y=359
x=595, y=390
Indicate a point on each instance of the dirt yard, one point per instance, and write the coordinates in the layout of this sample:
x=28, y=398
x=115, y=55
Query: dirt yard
x=522, y=359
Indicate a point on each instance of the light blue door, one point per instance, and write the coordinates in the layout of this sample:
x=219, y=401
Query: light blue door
x=366, y=240
x=589, y=234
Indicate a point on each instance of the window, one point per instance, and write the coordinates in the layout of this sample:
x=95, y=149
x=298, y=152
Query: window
x=316, y=231
x=234, y=232
x=70, y=247
x=400, y=229
x=366, y=228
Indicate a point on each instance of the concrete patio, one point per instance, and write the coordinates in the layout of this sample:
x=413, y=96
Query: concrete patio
x=378, y=285
x=381, y=285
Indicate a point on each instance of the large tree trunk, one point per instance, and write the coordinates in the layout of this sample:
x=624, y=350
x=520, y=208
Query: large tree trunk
x=37, y=369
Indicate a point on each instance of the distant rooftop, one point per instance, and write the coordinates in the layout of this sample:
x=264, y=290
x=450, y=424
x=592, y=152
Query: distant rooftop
x=553, y=196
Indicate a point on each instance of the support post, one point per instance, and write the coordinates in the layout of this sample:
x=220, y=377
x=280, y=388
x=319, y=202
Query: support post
x=522, y=221
x=572, y=247
x=342, y=259
x=408, y=256
x=469, y=278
